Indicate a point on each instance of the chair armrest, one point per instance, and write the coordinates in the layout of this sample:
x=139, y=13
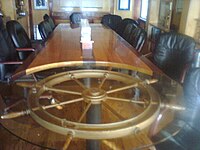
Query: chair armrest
x=148, y=55
x=11, y=62
x=25, y=49
x=183, y=73
x=36, y=41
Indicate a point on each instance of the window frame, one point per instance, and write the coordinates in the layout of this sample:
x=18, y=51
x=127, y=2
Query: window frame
x=141, y=10
x=123, y=8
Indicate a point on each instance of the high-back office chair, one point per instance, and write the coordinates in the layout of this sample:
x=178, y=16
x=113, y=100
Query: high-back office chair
x=50, y=20
x=189, y=135
x=44, y=29
x=1, y=22
x=120, y=27
x=173, y=52
x=111, y=20
x=127, y=31
x=137, y=38
x=19, y=38
x=75, y=18
x=154, y=36
x=8, y=56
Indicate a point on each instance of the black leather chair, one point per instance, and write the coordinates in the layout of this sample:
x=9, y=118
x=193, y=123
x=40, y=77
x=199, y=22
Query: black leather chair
x=188, y=120
x=173, y=52
x=137, y=38
x=75, y=18
x=9, y=59
x=120, y=27
x=127, y=31
x=154, y=36
x=155, y=33
x=20, y=38
x=8, y=56
x=111, y=21
x=50, y=21
x=1, y=22
x=44, y=29
x=106, y=19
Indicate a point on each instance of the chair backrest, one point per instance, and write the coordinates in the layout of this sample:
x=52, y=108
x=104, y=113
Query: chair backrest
x=50, y=20
x=1, y=22
x=115, y=21
x=173, y=52
x=155, y=33
x=18, y=34
x=75, y=18
x=106, y=19
x=7, y=52
x=127, y=31
x=137, y=38
x=191, y=88
x=122, y=25
x=44, y=29
x=111, y=20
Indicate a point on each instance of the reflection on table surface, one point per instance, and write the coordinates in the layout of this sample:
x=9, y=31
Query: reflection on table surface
x=64, y=45
x=55, y=110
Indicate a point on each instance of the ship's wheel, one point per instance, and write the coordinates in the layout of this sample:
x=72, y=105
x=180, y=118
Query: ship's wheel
x=92, y=103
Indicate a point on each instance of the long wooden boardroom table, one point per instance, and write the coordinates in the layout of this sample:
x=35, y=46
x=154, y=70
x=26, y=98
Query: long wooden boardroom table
x=108, y=47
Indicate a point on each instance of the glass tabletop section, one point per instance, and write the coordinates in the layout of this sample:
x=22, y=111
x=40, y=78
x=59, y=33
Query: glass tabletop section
x=73, y=107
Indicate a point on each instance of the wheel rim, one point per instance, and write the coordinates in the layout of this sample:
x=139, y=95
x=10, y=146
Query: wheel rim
x=94, y=95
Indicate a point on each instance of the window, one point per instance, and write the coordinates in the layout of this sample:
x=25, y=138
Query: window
x=124, y=5
x=144, y=9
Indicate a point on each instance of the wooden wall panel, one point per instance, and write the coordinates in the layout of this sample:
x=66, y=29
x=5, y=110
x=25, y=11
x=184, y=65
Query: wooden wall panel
x=124, y=13
x=60, y=13
x=38, y=14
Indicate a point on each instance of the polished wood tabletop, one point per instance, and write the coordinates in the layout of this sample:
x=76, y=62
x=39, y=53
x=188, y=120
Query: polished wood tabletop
x=108, y=47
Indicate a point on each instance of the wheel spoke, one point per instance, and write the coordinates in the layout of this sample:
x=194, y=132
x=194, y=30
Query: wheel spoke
x=132, y=86
x=70, y=136
x=13, y=105
x=62, y=91
x=68, y=141
x=105, y=77
x=111, y=145
x=125, y=100
x=27, y=112
x=113, y=111
x=63, y=103
x=78, y=82
x=84, y=113
x=122, y=88
x=103, y=80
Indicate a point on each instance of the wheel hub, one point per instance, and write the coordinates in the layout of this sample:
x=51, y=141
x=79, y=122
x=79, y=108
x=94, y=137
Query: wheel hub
x=94, y=95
